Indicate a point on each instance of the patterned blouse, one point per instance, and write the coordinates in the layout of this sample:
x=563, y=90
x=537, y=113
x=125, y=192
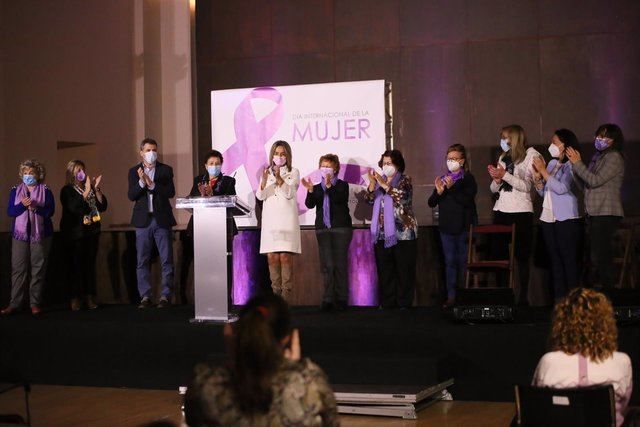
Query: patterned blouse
x=406, y=224
x=301, y=397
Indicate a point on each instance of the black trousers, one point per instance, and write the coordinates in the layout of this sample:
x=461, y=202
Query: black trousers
x=562, y=240
x=333, y=245
x=83, y=253
x=396, y=272
x=602, y=230
x=522, y=251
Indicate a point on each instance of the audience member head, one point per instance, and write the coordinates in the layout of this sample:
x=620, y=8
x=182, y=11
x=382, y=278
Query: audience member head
x=257, y=344
x=583, y=323
x=280, y=154
x=561, y=140
x=609, y=135
x=391, y=162
x=514, y=141
x=457, y=158
x=213, y=163
x=149, y=151
x=329, y=164
x=31, y=172
x=76, y=172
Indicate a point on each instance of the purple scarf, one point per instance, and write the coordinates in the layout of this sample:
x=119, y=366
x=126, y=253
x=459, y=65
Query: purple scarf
x=326, y=213
x=596, y=156
x=390, y=237
x=455, y=176
x=28, y=217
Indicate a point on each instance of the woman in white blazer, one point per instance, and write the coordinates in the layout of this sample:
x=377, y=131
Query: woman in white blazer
x=280, y=234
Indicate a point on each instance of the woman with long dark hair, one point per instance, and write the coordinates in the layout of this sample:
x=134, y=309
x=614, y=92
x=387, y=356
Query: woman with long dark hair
x=560, y=218
x=266, y=382
x=602, y=181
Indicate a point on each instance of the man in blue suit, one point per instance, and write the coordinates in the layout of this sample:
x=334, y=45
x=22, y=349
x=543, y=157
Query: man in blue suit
x=150, y=187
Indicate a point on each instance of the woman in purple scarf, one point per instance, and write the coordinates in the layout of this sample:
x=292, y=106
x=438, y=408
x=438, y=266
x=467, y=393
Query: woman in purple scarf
x=455, y=196
x=31, y=204
x=394, y=230
x=333, y=230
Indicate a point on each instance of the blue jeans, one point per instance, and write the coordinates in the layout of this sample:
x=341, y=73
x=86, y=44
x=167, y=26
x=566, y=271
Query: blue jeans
x=454, y=247
x=144, y=245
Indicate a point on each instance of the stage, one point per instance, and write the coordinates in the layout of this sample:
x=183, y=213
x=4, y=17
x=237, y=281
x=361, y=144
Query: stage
x=122, y=346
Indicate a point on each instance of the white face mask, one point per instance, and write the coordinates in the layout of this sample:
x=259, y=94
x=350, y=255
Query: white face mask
x=453, y=165
x=504, y=144
x=389, y=170
x=150, y=157
x=554, y=151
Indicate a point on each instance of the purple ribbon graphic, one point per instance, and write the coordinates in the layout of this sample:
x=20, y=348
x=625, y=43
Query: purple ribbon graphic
x=252, y=135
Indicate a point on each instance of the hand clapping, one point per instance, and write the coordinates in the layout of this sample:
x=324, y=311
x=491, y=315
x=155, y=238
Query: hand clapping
x=573, y=155
x=307, y=184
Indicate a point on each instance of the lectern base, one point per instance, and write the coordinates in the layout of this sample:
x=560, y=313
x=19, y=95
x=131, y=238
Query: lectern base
x=230, y=319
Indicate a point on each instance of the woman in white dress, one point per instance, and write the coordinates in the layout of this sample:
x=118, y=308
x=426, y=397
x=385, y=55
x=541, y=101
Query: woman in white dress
x=280, y=236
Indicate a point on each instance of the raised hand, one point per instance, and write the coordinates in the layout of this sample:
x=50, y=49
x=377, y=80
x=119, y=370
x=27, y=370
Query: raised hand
x=538, y=164
x=307, y=184
x=439, y=185
x=26, y=202
x=573, y=155
x=141, y=174
x=448, y=181
x=327, y=180
x=294, y=352
x=87, y=187
x=97, y=180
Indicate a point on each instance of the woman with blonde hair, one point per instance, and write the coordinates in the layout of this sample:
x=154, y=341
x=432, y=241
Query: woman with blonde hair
x=583, y=345
x=512, y=182
x=82, y=203
x=280, y=231
x=31, y=205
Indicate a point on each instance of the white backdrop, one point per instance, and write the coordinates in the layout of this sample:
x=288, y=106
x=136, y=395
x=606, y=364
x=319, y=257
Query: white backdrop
x=347, y=119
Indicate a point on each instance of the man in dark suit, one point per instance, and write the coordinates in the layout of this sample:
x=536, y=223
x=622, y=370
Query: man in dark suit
x=151, y=187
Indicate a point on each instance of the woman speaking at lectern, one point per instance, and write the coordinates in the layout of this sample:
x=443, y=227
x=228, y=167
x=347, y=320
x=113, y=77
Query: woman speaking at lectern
x=211, y=183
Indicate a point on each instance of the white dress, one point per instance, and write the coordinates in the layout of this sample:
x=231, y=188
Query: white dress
x=280, y=224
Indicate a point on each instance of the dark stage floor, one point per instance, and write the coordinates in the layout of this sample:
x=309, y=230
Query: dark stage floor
x=121, y=346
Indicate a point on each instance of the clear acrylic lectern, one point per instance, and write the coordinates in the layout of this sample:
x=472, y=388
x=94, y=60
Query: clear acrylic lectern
x=210, y=252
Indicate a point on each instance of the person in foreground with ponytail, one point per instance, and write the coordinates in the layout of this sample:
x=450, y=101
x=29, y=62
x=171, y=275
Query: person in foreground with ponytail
x=265, y=382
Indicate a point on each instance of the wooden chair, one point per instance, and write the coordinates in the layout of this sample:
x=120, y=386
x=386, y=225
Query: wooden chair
x=549, y=407
x=475, y=267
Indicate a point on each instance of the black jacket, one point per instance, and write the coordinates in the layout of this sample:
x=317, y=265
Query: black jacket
x=457, y=205
x=226, y=186
x=74, y=208
x=338, y=204
x=162, y=192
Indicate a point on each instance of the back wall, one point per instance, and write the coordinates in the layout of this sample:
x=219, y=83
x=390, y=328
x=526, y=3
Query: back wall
x=460, y=69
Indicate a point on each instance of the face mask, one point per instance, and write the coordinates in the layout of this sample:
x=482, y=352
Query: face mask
x=554, y=151
x=80, y=176
x=453, y=165
x=324, y=171
x=601, y=144
x=29, y=180
x=389, y=170
x=150, y=157
x=279, y=161
x=504, y=144
x=214, y=170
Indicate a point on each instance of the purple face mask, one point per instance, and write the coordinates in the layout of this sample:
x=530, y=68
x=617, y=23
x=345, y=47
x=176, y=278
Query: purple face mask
x=601, y=144
x=80, y=176
x=279, y=161
x=324, y=171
